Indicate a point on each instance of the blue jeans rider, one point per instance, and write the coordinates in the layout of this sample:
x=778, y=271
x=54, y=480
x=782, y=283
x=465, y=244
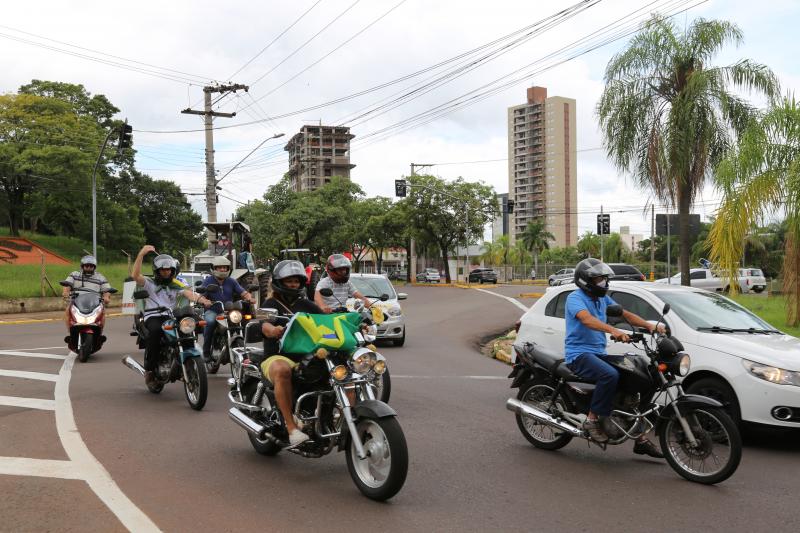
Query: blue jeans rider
x=229, y=289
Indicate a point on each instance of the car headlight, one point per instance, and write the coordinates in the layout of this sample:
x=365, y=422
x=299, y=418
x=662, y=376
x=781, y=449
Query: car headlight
x=779, y=376
x=363, y=361
x=235, y=316
x=394, y=310
x=187, y=325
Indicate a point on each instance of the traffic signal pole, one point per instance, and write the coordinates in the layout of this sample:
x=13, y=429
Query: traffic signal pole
x=602, y=235
x=94, y=191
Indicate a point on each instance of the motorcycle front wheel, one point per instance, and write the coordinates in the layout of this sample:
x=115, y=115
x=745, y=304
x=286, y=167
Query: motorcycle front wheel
x=196, y=384
x=382, y=473
x=87, y=342
x=718, y=451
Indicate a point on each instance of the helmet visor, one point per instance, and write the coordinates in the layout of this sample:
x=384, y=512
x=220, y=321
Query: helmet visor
x=600, y=270
x=163, y=261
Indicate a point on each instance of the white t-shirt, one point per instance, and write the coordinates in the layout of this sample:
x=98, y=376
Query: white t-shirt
x=162, y=296
x=341, y=292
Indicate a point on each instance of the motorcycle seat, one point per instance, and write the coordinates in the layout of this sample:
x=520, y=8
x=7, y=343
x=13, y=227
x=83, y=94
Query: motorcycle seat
x=554, y=362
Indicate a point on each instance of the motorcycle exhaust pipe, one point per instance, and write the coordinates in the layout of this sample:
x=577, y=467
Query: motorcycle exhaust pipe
x=540, y=416
x=247, y=423
x=132, y=364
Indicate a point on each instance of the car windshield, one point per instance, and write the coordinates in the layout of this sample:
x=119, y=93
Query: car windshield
x=373, y=287
x=709, y=311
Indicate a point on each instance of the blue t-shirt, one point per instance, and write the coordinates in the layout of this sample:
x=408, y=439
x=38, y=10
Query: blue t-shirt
x=579, y=338
x=228, y=289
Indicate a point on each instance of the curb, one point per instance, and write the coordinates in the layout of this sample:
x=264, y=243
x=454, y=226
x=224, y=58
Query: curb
x=531, y=295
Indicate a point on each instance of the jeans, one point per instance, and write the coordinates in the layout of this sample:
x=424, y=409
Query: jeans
x=594, y=367
x=153, y=343
x=210, y=316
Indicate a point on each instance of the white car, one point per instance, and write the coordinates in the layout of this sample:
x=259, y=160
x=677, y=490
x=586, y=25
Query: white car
x=704, y=278
x=373, y=286
x=736, y=357
x=753, y=278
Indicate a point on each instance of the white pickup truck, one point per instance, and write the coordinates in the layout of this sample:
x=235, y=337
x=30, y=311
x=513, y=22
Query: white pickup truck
x=704, y=278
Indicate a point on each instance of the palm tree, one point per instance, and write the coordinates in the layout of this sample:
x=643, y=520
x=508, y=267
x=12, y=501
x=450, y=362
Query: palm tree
x=668, y=115
x=492, y=253
x=762, y=177
x=536, y=238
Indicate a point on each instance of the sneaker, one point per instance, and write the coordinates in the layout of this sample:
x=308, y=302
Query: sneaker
x=647, y=448
x=297, y=438
x=297, y=422
x=595, y=431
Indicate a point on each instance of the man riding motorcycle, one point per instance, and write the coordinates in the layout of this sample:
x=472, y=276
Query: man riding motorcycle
x=86, y=278
x=585, y=345
x=338, y=280
x=229, y=288
x=163, y=291
x=288, y=296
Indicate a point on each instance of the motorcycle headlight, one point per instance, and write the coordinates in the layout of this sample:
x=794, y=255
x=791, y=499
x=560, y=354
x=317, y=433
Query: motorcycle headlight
x=235, y=316
x=779, y=376
x=85, y=319
x=684, y=364
x=339, y=372
x=363, y=361
x=187, y=325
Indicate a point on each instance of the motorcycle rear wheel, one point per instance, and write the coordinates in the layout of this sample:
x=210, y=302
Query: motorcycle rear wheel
x=719, y=451
x=85, y=350
x=383, y=472
x=196, y=388
x=538, y=392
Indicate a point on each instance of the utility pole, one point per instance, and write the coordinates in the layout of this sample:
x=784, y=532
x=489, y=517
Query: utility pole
x=652, y=242
x=412, y=263
x=208, y=114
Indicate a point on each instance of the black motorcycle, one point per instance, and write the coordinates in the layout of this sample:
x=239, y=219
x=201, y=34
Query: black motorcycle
x=698, y=438
x=367, y=431
x=230, y=327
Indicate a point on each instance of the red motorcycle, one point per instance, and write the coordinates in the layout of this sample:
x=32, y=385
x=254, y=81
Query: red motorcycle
x=86, y=320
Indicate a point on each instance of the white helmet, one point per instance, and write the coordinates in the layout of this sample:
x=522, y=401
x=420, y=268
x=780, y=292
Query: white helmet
x=220, y=261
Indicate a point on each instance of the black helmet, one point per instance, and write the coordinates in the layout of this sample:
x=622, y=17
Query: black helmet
x=164, y=261
x=587, y=270
x=289, y=269
x=335, y=262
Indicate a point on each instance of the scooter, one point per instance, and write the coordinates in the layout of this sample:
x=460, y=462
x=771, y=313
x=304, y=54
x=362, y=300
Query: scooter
x=86, y=321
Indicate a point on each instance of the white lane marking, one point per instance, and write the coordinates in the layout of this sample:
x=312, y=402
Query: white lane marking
x=512, y=300
x=28, y=354
x=42, y=348
x=28, y=403
x=24, y=466
x=91, y=469
x=447, y=377
x=28, y=375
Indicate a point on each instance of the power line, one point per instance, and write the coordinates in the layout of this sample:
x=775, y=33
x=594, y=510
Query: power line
x=281, y=34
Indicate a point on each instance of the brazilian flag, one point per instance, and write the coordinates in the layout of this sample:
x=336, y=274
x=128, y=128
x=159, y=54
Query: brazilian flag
x=307, y=332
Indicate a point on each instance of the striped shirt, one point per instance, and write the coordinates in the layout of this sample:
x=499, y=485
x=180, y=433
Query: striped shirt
x=96, y=282
x=341, y=292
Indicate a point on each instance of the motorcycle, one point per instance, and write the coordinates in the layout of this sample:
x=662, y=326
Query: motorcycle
x=229, y=330
x=368, y=432
x=178, y=358
x=86, y=321
x=697, y=437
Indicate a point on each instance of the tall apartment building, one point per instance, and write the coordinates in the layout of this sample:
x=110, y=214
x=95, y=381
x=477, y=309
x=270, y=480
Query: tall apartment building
x=318, y=153
x=542, y=165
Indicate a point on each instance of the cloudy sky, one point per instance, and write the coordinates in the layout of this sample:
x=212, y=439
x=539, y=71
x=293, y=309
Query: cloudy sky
x=297, y=55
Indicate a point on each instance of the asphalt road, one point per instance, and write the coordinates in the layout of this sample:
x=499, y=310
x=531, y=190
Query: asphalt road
x=470, y=469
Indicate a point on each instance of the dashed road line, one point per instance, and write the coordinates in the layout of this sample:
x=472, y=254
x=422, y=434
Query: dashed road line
x=28, y=375
x=28, y=403
x=30, y=354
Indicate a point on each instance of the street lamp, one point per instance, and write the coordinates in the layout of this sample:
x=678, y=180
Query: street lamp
x=248, y=155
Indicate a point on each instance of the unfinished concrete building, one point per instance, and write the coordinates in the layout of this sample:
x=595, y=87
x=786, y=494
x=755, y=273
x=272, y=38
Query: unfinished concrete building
x=318, y=153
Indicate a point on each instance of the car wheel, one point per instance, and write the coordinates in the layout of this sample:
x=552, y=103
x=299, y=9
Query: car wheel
x=401, y=341
x=550, y=282
x=758, y=290
x=718, y=389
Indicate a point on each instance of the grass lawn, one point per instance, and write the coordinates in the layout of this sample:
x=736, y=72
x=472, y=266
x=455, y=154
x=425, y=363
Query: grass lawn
x=22, y=281
x=68, y=247
x=770, y=308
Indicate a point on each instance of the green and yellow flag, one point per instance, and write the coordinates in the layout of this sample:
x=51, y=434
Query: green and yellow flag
x=307, y=332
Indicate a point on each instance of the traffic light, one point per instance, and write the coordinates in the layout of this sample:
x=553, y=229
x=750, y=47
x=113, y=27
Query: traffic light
x=400, y=188
x=125, y=136
x=510, y=206
x=604, y=224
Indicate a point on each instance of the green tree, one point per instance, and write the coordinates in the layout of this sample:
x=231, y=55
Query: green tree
x=760, y=177
x=387, y=229
x=668, y=115
x=438, y=212
x=536, y=238
x=589, y=244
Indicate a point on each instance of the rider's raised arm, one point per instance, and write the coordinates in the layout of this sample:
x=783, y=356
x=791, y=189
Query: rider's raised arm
x=136, y=274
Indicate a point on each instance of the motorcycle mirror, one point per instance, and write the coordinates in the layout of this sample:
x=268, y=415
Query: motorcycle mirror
x=327, y=293
x=666, y=309
x=64, y=284
x=384, y=297
x=112, y=290
x=614, y=310
x=212, y=288
x=200, y=290
x=268, y=312
x=402, y=296
x=198, y=282
x=129, y=278
x=140, y=295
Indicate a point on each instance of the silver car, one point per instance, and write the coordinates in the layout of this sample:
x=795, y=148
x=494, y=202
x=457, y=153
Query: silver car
x=373, y=286
x=565, y=275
